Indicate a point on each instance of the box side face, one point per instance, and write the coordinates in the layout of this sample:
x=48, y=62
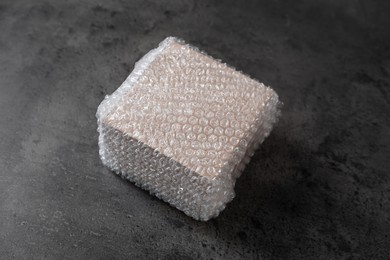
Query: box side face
x=266, y=120
x=195, y=195
x=195, y=110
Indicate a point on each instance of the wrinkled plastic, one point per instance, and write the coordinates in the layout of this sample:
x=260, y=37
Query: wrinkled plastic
x=183, y=126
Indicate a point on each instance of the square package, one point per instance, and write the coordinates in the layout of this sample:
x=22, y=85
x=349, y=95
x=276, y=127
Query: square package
x=183, y=126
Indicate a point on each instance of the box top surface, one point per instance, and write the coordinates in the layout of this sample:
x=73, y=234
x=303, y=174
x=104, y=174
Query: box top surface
x=190, y=107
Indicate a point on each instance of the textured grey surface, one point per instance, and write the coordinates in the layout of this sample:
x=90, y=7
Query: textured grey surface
x=318, y=188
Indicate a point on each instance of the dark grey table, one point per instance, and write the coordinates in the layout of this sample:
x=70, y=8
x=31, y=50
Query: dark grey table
x=318, y=188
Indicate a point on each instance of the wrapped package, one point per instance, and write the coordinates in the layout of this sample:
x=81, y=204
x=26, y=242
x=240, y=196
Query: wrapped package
x=183, y=126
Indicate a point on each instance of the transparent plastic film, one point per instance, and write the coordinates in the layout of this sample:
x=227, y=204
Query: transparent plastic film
x=184, y=125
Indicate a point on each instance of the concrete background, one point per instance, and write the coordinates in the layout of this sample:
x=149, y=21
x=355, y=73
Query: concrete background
x=318, y=188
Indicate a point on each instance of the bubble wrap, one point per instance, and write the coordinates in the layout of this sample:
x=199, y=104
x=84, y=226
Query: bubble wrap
x=183, y=126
